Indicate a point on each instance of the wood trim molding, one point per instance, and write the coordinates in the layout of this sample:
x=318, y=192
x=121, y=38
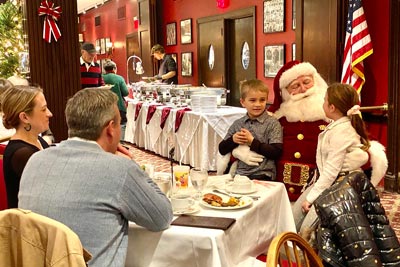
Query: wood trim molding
x=391, y=179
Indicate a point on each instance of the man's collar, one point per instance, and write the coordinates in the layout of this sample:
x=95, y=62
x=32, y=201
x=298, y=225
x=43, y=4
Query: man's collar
x=83, y=140
x=84, y=62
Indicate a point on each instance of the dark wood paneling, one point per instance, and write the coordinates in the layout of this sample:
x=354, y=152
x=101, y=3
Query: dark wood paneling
x=392, y=181
x=55, y=66
x=321, y=28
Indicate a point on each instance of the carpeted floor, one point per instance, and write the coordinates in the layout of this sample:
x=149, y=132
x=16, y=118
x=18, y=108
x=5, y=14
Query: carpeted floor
x=390, y=201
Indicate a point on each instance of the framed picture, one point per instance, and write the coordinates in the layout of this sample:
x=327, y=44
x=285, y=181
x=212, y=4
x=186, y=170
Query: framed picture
x=294, y=51
x=186, y=64
x=293, y=14
x=274, y=58
x=23, y=62
x=103, y=46
x=274, y=16
x=98, y=47
x=171, y=33
x=186, y=31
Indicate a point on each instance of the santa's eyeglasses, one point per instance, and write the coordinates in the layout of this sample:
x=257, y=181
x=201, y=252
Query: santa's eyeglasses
x=300, y=84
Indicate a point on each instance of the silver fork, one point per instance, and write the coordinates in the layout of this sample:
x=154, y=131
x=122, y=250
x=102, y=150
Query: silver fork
x=230, y=195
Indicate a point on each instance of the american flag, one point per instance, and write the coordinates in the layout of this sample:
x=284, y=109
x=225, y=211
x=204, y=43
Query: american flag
x=357, y=46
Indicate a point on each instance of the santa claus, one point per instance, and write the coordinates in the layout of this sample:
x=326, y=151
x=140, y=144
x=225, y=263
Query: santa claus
x=299, y=95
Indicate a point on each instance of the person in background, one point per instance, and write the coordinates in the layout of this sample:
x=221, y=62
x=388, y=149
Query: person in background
x=90, y=70
x=167, y=72
x=85, y=185
x=24, y=109
x=119, y=88
x=257, y=131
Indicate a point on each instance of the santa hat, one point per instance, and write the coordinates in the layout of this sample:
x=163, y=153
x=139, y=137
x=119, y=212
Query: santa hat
x=289, y=72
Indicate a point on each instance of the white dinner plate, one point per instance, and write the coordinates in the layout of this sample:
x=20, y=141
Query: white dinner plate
x=241, y=191
x=190, y=210
x=244, y=202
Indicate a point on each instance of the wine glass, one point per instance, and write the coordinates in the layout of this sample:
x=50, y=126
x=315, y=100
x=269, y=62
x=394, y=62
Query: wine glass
x=199, y=178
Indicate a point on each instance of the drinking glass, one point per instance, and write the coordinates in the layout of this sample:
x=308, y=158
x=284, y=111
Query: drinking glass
x=199, y=178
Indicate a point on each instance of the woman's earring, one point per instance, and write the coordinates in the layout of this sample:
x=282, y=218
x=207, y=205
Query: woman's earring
x=28, y=127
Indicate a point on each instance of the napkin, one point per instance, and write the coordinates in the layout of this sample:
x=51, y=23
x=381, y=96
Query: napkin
x=164, y=116
x=218, y=181
x=204, y=222
x=138, y=107
x=150, y=112
x=179, y=116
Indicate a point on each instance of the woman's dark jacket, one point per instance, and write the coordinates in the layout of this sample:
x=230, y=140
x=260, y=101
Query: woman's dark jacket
x=354, y=230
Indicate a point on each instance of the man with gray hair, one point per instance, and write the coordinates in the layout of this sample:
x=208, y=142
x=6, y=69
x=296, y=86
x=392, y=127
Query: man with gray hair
x=83, y=184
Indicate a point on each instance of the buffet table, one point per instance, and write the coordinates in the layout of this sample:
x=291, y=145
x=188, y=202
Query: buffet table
x=248, y=237
x=196, y=140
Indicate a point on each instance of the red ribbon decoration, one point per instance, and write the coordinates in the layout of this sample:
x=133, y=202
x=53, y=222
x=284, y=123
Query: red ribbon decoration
x=52, y=15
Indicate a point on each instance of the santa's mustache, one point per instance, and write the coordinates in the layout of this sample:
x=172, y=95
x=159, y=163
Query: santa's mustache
x=289, y=97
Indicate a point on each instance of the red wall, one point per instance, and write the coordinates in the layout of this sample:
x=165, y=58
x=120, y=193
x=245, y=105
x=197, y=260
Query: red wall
x=375, y=91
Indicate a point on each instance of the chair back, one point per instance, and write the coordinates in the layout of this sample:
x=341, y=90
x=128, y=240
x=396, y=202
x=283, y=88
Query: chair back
x=3, y=191
x=291, y=250
x=30, y=239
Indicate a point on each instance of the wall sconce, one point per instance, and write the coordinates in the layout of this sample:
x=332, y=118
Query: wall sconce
x=222, y=3
x=136, y=66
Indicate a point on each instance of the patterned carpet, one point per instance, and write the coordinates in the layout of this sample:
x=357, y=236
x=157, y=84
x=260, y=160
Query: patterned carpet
x=390, y=201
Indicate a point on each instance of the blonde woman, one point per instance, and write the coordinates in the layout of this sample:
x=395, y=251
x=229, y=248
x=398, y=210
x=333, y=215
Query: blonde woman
x=24, y=109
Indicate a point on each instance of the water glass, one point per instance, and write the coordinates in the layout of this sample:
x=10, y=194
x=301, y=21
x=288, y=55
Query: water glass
x=198, y=178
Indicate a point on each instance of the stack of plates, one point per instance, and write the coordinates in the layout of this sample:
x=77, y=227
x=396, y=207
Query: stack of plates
x=208, y=103
x=195, y=103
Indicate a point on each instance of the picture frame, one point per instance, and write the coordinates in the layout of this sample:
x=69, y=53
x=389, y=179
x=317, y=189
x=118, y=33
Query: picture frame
x=274, y=59
x=171, y=33
x=103, y=46
x=294, y=51
x=187, y=62
x=186, y=31
x=98, y=46
x=274, y=16
x=293, y=14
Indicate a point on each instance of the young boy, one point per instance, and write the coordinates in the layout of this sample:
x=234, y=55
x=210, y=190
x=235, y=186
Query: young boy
x=258, y=130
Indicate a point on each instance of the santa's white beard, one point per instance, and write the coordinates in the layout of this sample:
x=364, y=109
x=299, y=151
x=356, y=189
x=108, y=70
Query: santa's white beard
x=302, y=107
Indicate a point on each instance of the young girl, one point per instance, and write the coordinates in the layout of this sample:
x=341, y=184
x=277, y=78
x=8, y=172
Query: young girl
x=342, y=148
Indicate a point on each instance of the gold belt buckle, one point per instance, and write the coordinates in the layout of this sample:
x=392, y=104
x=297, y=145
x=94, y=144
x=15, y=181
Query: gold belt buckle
x=304, y=173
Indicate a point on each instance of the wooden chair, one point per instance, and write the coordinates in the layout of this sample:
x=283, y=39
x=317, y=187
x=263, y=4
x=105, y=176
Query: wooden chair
x=291, y=250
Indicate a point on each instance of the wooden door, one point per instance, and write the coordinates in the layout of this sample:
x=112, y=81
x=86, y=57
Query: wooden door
x=241, y=59
x=132, y=48
x=212, y=53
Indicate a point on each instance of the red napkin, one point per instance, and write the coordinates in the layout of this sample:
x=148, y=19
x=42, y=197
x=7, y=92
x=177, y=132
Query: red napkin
x=138, y=107
x=150, y=113
x=179, y=116
x=164, y=116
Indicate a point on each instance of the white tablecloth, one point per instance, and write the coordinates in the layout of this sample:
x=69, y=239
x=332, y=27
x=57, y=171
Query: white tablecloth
x=196, y=141
x=248, y=237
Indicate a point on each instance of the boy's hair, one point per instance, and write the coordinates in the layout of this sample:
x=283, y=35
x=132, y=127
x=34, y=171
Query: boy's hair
x=254, y=85
x=344, y=97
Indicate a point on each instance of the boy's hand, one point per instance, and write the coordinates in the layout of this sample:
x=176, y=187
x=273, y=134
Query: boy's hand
x=247, y=135
x=244, y=137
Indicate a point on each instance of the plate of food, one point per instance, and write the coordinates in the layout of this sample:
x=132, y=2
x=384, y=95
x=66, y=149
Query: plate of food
x=215, y=201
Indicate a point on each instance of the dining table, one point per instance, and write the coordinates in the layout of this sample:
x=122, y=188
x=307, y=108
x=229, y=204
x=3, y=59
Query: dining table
x=194, y=135
x=256, y=224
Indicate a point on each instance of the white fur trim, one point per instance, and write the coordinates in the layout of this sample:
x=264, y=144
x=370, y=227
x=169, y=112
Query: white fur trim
x=379, y=162
x=294, y=72
x=222, y=162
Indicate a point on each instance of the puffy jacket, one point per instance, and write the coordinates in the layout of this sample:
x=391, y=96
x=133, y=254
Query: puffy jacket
x=354, y=230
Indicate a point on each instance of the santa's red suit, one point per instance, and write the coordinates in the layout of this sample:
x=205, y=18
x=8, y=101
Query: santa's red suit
x=302, y=119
